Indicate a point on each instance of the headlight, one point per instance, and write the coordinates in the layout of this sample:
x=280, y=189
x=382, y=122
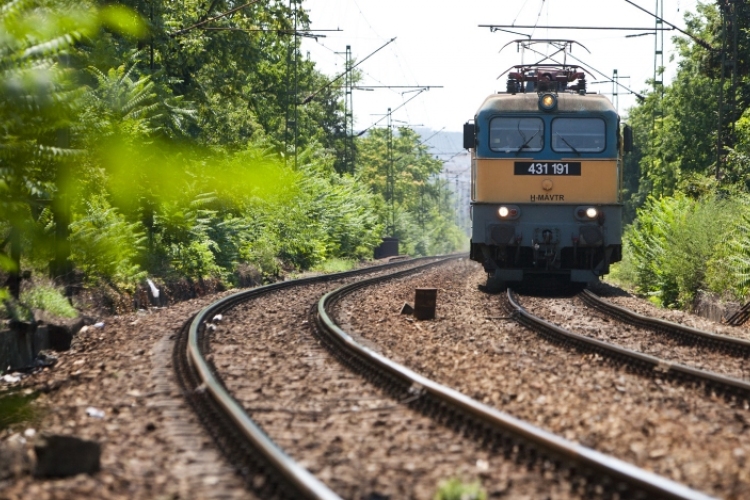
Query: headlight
x=507, y=212
x=587, y=213
x=547, y=102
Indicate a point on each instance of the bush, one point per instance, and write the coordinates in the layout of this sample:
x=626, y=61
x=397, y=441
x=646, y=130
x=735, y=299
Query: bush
x=50, y=299
x=678, y=246
x=106, y=247
x=728, y=270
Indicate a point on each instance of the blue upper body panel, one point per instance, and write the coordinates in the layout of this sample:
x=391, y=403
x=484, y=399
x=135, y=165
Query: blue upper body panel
x=527, y=105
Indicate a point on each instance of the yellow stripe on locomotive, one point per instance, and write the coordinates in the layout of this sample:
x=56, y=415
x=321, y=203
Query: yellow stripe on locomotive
x=495, y=182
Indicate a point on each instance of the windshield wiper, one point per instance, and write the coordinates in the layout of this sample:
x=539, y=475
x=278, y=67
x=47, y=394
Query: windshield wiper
x=526, y=144
x=569, y=145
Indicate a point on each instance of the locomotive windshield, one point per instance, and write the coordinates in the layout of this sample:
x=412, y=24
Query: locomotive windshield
x=513, y=134
x=578, y=135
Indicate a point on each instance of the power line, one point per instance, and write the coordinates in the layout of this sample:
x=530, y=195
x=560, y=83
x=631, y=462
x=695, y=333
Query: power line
x=697, y=40
x=422, y=89
x=312, y=96
x=498, y=27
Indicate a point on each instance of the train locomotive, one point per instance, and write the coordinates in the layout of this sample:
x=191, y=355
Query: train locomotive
x=546, y=177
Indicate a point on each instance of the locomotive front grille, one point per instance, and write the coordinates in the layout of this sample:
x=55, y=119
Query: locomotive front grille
x=591, y=235
x=503, y=234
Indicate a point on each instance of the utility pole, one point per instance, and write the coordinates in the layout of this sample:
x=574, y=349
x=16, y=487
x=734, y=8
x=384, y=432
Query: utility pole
x=659, y=46
x=616, y=77
x=418, y=91
x=296, y=83
x=720, y=105
x=458, y=204
x=390, y=177
x=615, y=95
x=292, y=90
x=727, y=105
x=348, y=115
x=658, y=113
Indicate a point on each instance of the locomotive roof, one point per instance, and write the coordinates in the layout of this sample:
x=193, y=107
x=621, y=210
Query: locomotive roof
x=529, y=102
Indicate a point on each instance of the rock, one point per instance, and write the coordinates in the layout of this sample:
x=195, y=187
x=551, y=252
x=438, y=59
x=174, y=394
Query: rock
x=94, y=412
x=62, y=456
x=55, y=333
x=14, y=462
x=17, y=346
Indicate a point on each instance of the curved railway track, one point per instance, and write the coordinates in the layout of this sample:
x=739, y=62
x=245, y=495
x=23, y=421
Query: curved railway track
x=265, y=467
x=271, y=473
x=646, y=364
x=683, y=334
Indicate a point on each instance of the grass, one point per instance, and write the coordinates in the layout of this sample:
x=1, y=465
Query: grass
x=50, y=299
x=455, y=489
x=16, y=408
x=335, y=266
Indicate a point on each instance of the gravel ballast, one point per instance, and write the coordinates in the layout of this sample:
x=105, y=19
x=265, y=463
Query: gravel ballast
x=676, y=431
x=152, y=446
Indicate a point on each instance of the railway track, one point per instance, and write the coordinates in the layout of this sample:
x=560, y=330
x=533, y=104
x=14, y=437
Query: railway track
x=271, y=473
x=266, y=469
x=730, y=386
x=683, y=334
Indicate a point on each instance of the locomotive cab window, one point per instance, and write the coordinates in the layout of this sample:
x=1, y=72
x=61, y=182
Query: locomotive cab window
x=578, y=135
x=515, y=134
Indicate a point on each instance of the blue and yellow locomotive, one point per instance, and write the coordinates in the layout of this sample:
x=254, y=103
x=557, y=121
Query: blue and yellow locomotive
x=546, y=166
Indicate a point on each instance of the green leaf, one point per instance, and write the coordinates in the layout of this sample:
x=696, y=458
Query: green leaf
x=7, y=264
x=123, y=20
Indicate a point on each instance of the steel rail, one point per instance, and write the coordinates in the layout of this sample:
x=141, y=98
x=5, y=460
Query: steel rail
x=303, y=482
x=681, y=332
x=644, y=361
x=449, y=400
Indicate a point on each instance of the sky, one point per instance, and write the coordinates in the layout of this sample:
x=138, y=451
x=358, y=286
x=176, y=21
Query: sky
x=439, y=44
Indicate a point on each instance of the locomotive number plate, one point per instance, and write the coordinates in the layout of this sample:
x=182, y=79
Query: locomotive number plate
x=547, y=168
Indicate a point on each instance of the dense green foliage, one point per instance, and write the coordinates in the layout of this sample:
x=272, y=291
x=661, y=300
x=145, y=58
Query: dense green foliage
x=687, y=182
x=417, y=203
x=186, y=140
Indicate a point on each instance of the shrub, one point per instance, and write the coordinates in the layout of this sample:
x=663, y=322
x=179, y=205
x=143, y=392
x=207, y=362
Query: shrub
x=107, y=247
x=677, y=246
x=50, y=299
x=728, y=269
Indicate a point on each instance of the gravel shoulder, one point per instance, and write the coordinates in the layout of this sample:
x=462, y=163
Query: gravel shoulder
x=152, y=446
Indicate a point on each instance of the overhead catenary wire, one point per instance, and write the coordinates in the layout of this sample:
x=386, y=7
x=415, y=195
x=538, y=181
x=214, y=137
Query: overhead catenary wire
x=697, y=40
x=393, y=111
x=496, y=27
x=312, y=96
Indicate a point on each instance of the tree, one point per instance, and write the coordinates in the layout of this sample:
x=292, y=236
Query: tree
x=410, y=189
